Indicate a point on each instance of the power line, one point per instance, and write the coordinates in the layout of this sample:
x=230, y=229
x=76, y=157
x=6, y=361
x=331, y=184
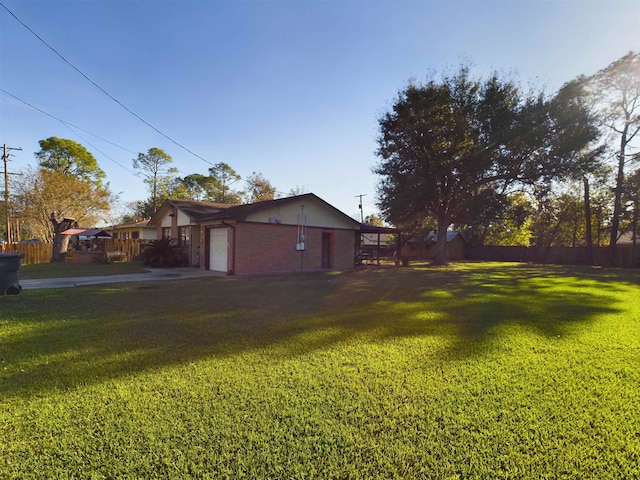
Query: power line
x=65, y=123
x=97, y=149
x=69, y=125
x=102, y=89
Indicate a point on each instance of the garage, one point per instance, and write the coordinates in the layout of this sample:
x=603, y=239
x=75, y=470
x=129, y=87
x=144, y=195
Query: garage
x=218, y=243
x=297, y=233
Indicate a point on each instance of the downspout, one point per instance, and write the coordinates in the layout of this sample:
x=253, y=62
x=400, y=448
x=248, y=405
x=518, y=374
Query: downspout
x=233, y=248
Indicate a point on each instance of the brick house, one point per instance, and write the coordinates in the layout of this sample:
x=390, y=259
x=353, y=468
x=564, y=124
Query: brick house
x=299, y=233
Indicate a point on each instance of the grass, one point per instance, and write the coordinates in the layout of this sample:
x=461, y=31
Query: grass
x=482, y=370
x=61, y=270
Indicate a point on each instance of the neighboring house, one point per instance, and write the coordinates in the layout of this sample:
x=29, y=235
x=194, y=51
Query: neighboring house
x=424, y=248
x=298, y=233
x=134, y=230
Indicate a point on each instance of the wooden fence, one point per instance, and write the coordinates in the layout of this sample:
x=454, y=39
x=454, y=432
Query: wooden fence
x=33, y=252
x=41, y=252
x=132, y=248
x=625, y=256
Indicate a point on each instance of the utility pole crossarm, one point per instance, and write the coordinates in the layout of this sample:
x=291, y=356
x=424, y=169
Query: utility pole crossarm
x=360, y=206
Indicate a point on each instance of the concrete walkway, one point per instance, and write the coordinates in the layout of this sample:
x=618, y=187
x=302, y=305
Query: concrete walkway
x=154, y=274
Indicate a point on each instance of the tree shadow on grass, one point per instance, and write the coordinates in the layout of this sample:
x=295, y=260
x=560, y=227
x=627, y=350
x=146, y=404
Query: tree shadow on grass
x=58, y=339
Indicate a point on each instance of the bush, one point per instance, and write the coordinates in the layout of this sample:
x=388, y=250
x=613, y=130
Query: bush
x=164, y=253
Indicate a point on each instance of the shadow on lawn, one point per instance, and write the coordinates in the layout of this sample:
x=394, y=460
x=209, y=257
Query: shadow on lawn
x=65, y=338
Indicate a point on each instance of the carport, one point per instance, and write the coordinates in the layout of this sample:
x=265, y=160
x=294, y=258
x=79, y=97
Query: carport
x=373, y=257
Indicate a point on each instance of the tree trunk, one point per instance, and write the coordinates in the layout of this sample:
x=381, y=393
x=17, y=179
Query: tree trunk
x=634, y=229
x=587, y=220
x=617, y=204
x=440, y=257
x=60, y=242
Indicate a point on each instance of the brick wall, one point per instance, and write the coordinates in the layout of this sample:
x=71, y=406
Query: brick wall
x=272, y=248
x=345, y=251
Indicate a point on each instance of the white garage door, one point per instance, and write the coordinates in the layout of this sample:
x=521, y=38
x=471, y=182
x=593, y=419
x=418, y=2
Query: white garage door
x=218, y=250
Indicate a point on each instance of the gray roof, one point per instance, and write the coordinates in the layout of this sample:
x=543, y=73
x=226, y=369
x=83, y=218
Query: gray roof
x=196, y=210
x=451, y=234
x=209, y=211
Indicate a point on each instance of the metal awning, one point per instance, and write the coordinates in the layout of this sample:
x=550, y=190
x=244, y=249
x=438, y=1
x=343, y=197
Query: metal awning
x=87, y=232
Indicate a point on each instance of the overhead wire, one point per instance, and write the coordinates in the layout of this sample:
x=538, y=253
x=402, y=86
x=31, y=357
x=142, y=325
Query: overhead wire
x=97, y=149
x=71, y=126
x=102, y=89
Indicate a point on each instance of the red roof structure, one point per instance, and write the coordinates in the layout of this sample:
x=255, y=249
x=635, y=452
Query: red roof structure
x=87, y=232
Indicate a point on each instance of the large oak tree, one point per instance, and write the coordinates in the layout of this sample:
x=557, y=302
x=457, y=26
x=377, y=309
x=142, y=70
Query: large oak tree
x=447, y=148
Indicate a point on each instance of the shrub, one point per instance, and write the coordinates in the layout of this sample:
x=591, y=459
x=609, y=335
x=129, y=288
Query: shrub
x=164, y=253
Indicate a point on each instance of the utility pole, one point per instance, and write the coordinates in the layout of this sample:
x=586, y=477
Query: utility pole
x=5, y=159
x=360, y=206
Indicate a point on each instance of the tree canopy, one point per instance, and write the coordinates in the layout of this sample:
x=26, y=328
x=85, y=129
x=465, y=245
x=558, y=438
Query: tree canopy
x=153, y=166
x=223, y=177
x=68, y=186
x=70, y=158
x=259, y=188
x=39, y=193
x=617, y=91
x=453, y=147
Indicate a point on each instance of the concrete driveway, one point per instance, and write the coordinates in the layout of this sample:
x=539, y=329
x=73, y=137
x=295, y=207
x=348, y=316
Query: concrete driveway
x=154, y=274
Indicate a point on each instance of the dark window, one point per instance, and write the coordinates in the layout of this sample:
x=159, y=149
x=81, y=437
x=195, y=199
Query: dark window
x=184, y=236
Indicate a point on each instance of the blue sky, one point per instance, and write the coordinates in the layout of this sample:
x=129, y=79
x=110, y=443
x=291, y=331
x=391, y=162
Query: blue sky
x=289, y=89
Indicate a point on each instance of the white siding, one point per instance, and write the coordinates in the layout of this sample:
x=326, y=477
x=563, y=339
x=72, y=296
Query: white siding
x=316, y=214
x=183, y=219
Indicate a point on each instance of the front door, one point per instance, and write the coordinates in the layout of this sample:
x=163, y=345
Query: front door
x=327, y=241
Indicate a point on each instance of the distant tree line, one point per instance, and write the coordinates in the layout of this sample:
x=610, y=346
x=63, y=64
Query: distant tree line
x=219, y=186
x=68, y=189
x=513, y=167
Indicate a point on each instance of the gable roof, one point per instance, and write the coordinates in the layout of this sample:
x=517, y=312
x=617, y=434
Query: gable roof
x=241, y=212
x=138, y=224
x=194, y=209
x=210, y=211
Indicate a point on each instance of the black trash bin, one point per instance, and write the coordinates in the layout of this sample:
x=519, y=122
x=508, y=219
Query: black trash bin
x=9, y=266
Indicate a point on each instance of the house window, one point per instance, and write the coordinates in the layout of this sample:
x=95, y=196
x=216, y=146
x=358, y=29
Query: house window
x=135, y=235
x=184, y=236
x=166, y=232
x=115, y=234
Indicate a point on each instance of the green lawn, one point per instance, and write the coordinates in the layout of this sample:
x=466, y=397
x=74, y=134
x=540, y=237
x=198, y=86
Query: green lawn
x=481, y=370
